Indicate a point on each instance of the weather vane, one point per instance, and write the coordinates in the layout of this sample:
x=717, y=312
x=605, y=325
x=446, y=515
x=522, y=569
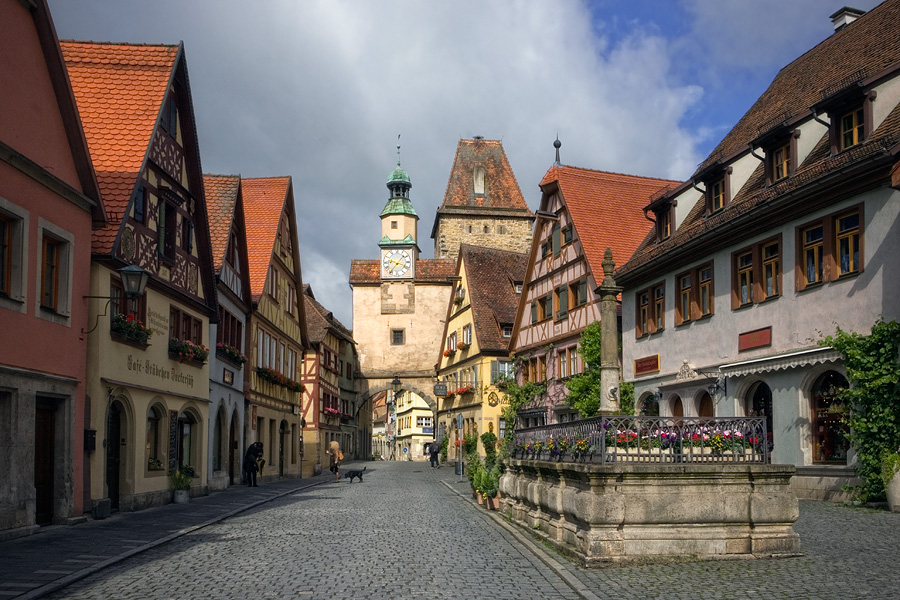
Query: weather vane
x=398, y=149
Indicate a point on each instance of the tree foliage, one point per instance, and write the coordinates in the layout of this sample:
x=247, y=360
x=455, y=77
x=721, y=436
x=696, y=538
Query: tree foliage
x=519, y=396
x=585, y=391
x=873, y=368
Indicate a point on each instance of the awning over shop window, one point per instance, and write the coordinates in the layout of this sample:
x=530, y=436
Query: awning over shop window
x=779, y=362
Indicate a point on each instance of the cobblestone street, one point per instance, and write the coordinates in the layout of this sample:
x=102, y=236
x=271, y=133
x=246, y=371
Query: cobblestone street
x=375, y=539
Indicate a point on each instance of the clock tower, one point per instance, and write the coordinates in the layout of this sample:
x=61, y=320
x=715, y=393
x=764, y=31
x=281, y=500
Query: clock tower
x=399, y=250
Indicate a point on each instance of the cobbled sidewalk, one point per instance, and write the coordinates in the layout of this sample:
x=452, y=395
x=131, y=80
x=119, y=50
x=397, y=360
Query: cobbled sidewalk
x=296, y=538
x=34, y=566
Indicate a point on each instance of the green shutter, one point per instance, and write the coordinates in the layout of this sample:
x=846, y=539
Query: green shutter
x=534, y=311
x=563, y=295
x=582, y=292
x=556, y=240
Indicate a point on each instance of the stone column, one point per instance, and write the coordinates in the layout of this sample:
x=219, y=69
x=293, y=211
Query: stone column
x=609, y=353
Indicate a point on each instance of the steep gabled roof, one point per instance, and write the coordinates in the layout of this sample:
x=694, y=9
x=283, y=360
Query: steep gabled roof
x=606, y=209
x=120, y=90
x=264, y=202
x=862, y=50
x=491, y=276
x=221, y=197
x=501, y=194
x=319, y=320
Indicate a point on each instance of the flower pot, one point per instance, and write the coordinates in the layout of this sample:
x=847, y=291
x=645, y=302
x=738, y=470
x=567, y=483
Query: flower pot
x=491, y=503
x=182, y=496
x=892, y=490
x=480, y=498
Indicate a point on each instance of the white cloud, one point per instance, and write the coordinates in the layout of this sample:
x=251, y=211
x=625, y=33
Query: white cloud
x=320, y=90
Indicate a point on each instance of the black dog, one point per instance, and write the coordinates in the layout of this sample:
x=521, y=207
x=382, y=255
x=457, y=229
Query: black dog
x=351, y=474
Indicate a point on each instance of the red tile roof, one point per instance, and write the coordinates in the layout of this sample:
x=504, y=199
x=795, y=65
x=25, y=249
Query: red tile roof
x=264, y=201
x=319, y=320
x=606, y=209
x=491, y=276
x=865, y=48
x=861, y=50
x=428, y=270
x=501, y=188
x=221, y=196
x=119, y=89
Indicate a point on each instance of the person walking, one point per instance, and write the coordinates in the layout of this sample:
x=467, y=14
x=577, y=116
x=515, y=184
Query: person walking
x=334, y=451
x=251, y=459
x=433, y=450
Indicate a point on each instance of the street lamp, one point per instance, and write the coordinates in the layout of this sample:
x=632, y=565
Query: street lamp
x=134, y=281
x=396, y=384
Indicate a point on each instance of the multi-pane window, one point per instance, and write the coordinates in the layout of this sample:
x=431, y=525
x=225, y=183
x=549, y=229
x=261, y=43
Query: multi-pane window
x=501, y=368
x=694, y=290
x=168, y=219
x=545, y=249
x=231, y=256
x=230, y=330
x=651, y=310
x=848, y=243
x=745, y=277
x=684, y=296
x=291, y=364
x=563, y=364
x=467, y=334
x=706, y=280
x=423, y=421
x=567, y=235
x=717, y=195
x=50, y=272
x=451, y=341
x=6, y=229
x=756, y=273
x=852, y=128
x=291, y=298
x=573, y=360
x=578, y=293
x=664, y=224
x=506, y=331
x=187, y=235
x=813, y=242
x=643, y=312
x=771, y=269
x=542, y=308
x=121, y=304
x=140, y=204
x=781, y=160
x=184, y=326
x=397, y=337
x=659, y=303
x=272, y=283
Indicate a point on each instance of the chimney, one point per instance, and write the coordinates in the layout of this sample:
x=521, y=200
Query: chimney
x=845, y=16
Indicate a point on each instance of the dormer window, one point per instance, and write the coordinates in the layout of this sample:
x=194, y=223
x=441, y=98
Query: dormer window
x=781, y=160
x=718, y=194
x=849, y=109
x=852, y=128
x=781, y=157
x=479, y=180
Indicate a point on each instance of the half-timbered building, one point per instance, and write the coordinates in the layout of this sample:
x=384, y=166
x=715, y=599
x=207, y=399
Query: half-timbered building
x=582, y=213
x=276, y=334
x=474, y=357
x=49, y=202
x=227, y=337
x=787, y=230
x=148, y=373
x=327, y=415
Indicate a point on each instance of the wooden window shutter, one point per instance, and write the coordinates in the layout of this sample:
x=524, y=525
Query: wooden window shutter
x=534, y=312
x=495, y=371
x=556, y=236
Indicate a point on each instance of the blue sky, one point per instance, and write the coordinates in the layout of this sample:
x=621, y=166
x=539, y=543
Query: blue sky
x=320, y=89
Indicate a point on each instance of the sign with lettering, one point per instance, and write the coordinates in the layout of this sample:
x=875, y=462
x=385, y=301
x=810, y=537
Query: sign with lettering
x=758, y=338
x=440, y=390
x=647, y=364
x=173, y=440
x=175, y=374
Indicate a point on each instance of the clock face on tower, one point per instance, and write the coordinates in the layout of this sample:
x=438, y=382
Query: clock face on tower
x=396, y=263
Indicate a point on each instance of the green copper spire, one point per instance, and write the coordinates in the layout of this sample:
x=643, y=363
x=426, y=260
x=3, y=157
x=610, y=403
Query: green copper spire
x=399, y=184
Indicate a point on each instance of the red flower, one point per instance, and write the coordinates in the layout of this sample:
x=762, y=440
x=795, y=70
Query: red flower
x=129, y=318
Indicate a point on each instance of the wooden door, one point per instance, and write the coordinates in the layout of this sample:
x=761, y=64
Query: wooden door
x=44, y=433
x=113, y=453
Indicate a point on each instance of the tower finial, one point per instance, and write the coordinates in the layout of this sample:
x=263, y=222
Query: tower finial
x=556, y=145
x=398, y=149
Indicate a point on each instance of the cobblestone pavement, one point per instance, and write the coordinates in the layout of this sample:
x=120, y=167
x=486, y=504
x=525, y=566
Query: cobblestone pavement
x=373, y=540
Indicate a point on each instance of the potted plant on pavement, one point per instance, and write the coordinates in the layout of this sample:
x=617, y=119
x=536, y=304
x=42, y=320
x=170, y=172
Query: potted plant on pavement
x=182, y=479
x=890, y=466
x=490, y=484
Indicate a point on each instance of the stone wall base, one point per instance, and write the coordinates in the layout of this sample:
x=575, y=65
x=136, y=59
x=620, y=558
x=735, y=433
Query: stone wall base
x=824, y=483
x=599, y=514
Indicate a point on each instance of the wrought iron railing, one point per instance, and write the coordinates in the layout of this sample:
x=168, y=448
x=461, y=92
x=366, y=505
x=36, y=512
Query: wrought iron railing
x=648, y=440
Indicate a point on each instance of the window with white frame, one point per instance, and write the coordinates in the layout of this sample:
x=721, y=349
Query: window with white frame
x=55, y=272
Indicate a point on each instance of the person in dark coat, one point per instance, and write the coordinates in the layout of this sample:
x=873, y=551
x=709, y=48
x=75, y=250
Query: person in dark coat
x=253, y=455
x=433, y=450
